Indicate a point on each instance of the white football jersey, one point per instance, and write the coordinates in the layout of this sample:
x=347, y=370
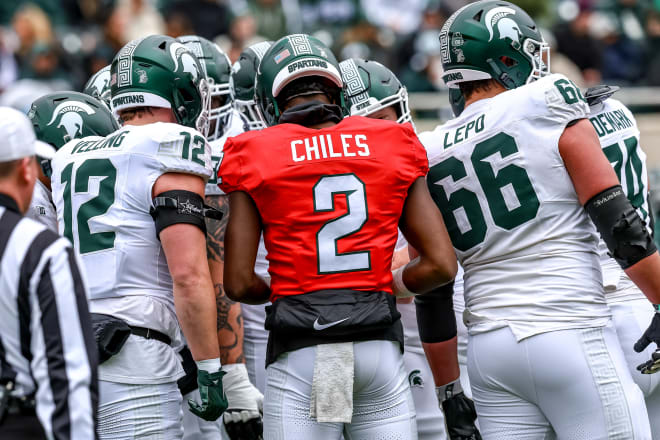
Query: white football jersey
x=42, y=208
x=254, y=316
x=528, y=248
x=235, y=126
x=619, y=137
x=102, y=188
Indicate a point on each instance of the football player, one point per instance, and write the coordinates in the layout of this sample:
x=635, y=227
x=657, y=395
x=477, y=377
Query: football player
x=521, y=180
x=241, y=86
x=242, y=419
x=241, y=83
x=619, y=137
x=374, y=91
x=328, y=197
x=132, y=204
x=58, y=118
x=98, y=86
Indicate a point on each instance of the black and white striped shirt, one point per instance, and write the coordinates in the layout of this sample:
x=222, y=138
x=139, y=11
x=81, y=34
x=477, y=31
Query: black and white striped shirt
x=46, y=341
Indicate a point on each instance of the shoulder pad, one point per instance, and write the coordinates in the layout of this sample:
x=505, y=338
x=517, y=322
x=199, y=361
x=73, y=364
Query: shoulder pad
x=562, y=100
x=177, y=148
x=597, y=94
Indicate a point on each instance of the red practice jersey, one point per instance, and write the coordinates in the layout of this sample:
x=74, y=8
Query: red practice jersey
x=330, y=199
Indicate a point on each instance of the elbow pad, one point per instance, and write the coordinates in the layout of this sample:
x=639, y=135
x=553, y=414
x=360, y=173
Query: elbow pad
x=621, y=228
x=435, y=314
x=176, y=206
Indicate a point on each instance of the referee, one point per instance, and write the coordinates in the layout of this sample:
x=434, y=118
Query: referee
x=48, y=358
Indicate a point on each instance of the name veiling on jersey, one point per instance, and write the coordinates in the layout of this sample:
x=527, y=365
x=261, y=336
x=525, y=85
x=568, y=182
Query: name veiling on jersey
x=324, y=147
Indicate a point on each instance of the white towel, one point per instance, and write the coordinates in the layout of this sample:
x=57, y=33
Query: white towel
x=332, y=385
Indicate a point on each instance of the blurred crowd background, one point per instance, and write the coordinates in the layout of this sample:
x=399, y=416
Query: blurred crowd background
x=49, y=45
x=59, y=44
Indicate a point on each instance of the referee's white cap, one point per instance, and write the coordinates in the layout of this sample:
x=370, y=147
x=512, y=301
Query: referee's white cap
x=17, y=138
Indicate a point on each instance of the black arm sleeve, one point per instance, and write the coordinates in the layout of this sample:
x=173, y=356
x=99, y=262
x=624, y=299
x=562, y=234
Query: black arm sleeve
x=620, y=226
x=435, y=314
x=177, y=206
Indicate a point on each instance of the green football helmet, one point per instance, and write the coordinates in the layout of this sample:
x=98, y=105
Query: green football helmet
x=217, y=68
x=60, y=117
x=370, y=86
x=241, y=83
x=158, y=71
x=98, y=86
x=288, y=59
x=493, y=39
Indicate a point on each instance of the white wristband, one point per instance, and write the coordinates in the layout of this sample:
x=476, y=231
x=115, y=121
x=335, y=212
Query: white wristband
x=398, y=286
x=210, y=365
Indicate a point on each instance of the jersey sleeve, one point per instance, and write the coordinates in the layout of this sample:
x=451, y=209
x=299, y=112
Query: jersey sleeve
x=181, y=149
x=217, y=153
x=560, y=100
x=230, y=172
x=420, y=159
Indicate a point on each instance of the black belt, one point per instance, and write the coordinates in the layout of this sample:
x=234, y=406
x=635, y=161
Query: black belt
x=148, y=333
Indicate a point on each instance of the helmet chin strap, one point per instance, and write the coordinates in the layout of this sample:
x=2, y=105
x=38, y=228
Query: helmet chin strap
x=502, y=76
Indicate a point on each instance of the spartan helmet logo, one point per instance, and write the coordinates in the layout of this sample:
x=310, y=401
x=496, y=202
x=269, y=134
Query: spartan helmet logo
x=66, y=116
x=72, y=123
x=102, y=81
x=506, y=27
x=184, y=58
x=415, y=379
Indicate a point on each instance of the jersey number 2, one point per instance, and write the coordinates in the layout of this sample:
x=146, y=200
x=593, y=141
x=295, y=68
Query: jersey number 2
x=329, y=260
x=99, y=205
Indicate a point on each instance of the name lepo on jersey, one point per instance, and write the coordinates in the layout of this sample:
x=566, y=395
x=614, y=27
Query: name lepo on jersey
x=464, y=132
x=607, y=123
x=329, y=146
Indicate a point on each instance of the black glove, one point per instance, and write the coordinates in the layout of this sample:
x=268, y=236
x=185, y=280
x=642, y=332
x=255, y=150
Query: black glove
x=460, y=413
x=241, y=426
x=652, y=334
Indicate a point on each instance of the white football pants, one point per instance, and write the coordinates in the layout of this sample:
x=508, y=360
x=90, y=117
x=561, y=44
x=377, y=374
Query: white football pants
x=567, y=384
x=196, y=428
x=430, y=419
x=383, y=407
x=461, y=337
x=145, y=412
x=631, y=318
x=254, y=347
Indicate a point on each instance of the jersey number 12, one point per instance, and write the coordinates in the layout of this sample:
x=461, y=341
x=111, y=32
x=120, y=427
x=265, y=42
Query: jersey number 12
x=104, y=170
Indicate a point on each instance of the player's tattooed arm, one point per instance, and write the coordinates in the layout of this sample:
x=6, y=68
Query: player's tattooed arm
x=230, y=318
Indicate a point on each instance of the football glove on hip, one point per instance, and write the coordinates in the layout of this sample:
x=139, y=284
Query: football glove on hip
x=460, y=414
x=243, y=416
x=652, y=334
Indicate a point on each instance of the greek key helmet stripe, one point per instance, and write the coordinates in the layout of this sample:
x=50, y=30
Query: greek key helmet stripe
x=300, y=44
x=444, y=35
x=355, y=86
x=260, y=49
x=125, y=63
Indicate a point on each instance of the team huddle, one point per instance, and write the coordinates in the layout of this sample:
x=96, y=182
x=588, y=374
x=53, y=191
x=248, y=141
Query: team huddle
x=494, y=278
